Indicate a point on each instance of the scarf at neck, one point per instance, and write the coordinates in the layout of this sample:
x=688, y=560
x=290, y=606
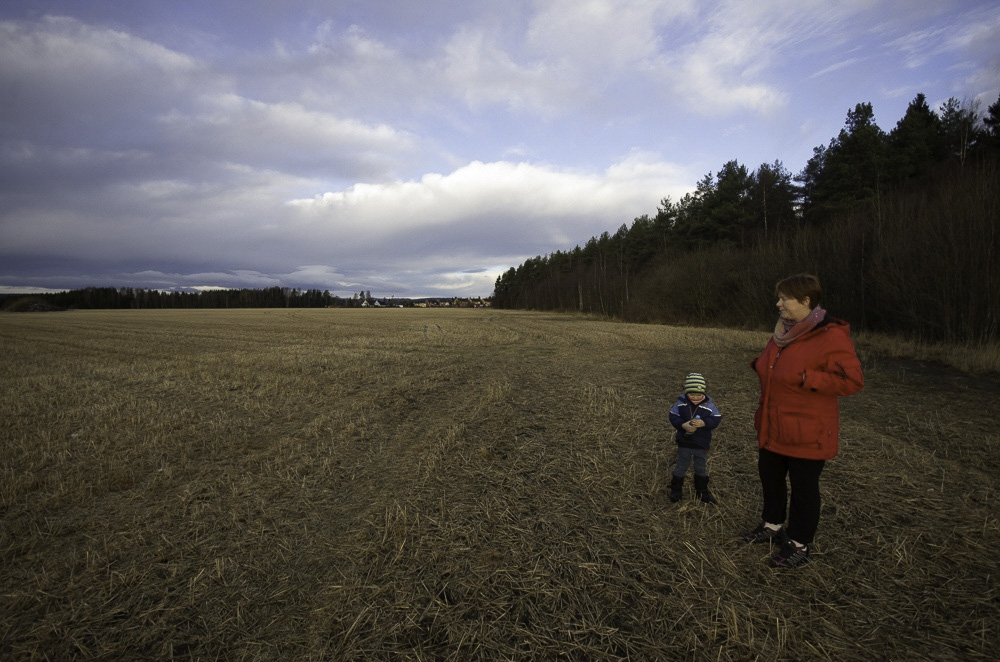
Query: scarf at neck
x=787, y=331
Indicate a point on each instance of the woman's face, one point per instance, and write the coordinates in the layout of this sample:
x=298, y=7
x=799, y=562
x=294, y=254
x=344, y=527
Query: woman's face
x=792, y=309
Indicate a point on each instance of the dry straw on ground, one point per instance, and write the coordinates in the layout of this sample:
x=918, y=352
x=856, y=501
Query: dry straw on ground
x=461, y=485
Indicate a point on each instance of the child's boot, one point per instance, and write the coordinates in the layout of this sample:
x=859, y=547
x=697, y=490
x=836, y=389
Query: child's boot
x=676, y=488
x=701, y=489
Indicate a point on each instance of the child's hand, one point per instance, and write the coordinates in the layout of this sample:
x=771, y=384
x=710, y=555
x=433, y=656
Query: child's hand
x=697, y=423
x=689, y=426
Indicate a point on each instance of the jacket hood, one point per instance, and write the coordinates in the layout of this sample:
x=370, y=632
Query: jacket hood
x=829, y=322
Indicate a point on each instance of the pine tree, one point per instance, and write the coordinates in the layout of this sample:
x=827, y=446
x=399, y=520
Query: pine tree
x=992, y=124
x=917, y=142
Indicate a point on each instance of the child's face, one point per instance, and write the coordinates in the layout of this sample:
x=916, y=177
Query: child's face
x=695, y=398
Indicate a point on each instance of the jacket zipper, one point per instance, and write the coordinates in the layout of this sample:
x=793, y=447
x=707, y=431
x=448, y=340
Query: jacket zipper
x=770, y=377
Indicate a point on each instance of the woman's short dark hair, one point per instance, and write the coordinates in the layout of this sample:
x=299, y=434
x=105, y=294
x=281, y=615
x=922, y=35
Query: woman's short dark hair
x=799, y=287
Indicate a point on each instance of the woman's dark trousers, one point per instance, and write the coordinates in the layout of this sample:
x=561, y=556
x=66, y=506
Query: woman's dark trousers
x=803, y=512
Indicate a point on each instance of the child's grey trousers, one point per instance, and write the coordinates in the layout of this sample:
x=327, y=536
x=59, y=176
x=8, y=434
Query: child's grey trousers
x=684, y=457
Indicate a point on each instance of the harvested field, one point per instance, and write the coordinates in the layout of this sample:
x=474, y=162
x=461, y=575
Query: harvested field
x=462, y=485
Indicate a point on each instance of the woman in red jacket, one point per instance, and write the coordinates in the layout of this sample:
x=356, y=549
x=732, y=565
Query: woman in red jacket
x=807, y=364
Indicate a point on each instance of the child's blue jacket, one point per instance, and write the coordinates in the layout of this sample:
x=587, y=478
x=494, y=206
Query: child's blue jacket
x=683, y=411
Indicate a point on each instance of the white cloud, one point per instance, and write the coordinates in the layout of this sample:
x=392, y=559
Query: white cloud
x=65, y=47
x=290, y=137
x=7, y=289
x=603, y=37
x=66, y=79
x=732, y=56
x=351, y=71
x=208, y=280
x=567, y=58
x=481, y=72
x=464, y=283
x=353, y=44
x=725, y=66
x=714, y=91
x=559, y=205
x=836, y=66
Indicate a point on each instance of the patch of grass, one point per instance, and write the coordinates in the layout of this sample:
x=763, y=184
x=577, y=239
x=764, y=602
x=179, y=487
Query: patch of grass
x=972, y=359
x=341, y=484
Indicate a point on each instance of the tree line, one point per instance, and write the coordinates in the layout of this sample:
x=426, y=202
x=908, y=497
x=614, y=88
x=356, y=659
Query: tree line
x=901, y=226
x=139, y=298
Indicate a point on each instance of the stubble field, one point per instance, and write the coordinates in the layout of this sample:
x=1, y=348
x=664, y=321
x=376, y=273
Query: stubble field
x=463, y=484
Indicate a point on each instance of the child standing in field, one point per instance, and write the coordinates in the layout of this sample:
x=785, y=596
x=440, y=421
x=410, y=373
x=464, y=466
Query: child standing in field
x=694, y=416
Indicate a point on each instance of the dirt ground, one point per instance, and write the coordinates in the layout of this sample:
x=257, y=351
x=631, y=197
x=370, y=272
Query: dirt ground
x=466, y=484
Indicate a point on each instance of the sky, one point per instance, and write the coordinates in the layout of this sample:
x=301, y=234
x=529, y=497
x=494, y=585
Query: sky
x=416, y=149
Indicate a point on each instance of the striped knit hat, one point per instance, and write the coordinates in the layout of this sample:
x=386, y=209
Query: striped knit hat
x=694, y=383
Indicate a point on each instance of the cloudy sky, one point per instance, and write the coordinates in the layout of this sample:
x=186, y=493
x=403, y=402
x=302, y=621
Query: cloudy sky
x=419, y=148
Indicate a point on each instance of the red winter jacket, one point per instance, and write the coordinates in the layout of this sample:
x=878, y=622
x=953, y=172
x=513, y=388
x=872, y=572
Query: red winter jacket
x=797, y=413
